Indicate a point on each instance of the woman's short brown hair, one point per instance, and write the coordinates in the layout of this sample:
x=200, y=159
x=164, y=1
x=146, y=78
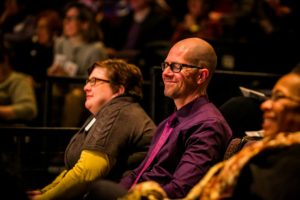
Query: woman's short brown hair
x=121, y=73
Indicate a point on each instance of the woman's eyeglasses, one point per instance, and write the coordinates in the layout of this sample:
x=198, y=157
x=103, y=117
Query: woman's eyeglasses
x=93, y=81
x=278, y=96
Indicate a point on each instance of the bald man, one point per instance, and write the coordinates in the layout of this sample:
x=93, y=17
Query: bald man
x=199, y=134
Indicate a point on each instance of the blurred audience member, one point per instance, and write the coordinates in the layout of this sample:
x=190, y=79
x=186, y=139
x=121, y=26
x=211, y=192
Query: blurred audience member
x=196, y=22
x=285, y=42
x=287, y=13
x=36, y=55
x=17, y=98
x=242, y=20
x=141, y=32
x=104, y=16
x=79, y=47
x=39, y=51
x=16, y=22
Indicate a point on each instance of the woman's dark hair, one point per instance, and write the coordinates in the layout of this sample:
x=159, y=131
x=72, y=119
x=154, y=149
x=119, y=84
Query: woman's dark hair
x=93, y=32
x=121, y=73
x=54, y=21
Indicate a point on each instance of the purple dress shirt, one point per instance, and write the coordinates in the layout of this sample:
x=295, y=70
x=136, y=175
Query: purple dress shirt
x=198, y=141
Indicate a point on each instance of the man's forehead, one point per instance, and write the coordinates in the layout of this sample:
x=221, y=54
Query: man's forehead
x=179, y=52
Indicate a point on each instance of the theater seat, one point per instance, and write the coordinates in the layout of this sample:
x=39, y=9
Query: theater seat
x=236, y=144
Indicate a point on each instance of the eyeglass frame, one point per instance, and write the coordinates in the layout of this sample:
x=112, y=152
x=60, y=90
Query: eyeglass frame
x=93, y=81
x=165, y=65
x=71, y=18
x=277, y=96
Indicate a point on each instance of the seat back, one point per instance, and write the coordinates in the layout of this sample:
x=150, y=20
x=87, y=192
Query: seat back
x=236, y=144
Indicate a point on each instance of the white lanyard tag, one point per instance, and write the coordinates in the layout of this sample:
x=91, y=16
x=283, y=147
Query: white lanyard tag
x=90, y=124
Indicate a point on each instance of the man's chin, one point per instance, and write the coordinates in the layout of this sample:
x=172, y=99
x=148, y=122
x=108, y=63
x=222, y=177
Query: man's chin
x=168, y=94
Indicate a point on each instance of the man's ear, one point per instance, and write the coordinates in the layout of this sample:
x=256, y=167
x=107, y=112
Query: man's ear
x=202, y=76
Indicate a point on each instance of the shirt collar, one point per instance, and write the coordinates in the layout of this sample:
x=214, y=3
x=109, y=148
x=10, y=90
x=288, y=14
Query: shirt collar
x=189, y=108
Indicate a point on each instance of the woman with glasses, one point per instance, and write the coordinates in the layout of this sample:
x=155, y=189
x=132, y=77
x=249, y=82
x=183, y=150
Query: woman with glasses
x=113, y=140
x=268, y=169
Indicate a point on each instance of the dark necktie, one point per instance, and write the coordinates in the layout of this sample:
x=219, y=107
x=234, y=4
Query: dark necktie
x=163, y=138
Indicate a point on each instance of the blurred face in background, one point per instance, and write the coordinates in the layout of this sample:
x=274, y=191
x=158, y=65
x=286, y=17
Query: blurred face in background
x=72, y=23
x=195, y=7
x=11, y=7
x=138, y=4
x=282, y=110
x=43, y=33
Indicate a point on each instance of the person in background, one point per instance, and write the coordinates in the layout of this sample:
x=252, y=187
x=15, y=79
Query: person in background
x=113, y=140
x=242, y=20
x=17, y=22
x=39, y=53
x=17, y=97
x=36, y=55
x=81, y=44
x=196, y=23
x=79, y=47
x=262, y=169
x=199, y=134
x=146, y=28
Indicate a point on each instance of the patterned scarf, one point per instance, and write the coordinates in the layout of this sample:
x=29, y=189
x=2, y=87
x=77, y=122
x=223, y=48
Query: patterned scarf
x=221, y=179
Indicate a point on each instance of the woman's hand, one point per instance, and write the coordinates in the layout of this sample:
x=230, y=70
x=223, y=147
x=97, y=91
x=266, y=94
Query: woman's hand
x=33, y=194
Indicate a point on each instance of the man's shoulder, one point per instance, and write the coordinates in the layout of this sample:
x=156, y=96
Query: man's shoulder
x=206, y=112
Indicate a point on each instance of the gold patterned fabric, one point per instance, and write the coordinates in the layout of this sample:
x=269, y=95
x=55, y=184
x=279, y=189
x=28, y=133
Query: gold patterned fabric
x=221, y=179
x=149, y=190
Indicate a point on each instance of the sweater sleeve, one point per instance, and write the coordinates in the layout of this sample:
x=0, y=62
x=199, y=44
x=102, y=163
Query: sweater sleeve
x=91, y=166
x=55, y=182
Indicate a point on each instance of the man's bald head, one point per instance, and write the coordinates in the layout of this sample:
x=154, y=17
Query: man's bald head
x=196, y=52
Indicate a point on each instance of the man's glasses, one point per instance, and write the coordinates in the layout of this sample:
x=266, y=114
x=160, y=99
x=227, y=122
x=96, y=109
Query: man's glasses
x=94, y=80
x=177, y=67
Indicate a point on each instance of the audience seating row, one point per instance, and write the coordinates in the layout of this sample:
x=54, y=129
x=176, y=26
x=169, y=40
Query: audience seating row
x=36, y=153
